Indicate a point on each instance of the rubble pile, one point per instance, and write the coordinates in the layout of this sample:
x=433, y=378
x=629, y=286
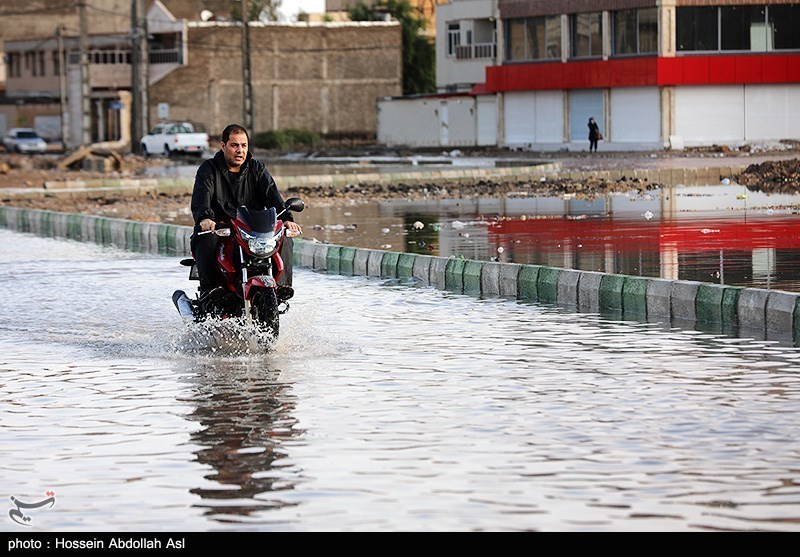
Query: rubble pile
x=772, y=176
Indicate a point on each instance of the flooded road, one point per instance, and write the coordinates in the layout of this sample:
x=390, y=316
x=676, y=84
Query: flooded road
x=383, y=407
x=717, y=234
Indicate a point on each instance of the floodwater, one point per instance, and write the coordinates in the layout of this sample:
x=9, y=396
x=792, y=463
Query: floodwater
x=383, y=406
x=725, y=234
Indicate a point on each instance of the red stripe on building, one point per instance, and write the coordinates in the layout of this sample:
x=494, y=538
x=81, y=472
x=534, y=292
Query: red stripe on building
x=652, y=71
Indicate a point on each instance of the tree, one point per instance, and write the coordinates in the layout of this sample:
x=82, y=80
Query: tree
x=419, y=54
x=257, y=9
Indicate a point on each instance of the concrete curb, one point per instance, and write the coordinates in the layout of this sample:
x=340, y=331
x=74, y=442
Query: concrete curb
x=716, y=307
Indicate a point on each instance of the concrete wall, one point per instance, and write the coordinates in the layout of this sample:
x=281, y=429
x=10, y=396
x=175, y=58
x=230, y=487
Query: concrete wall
x=763, y=314
x=325, y=77
x=428, y=122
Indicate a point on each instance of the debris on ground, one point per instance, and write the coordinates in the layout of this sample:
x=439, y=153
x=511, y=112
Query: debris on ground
x=772, y=176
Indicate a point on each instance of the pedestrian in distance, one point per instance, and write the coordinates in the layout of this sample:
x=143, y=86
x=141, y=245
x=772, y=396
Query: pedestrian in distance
x=594, y=135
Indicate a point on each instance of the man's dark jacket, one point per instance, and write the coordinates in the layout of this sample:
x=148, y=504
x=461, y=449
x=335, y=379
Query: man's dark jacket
x=218, y=192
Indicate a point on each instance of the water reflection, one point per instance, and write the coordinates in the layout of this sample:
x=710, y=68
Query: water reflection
x=708, y=233
x=246, y=416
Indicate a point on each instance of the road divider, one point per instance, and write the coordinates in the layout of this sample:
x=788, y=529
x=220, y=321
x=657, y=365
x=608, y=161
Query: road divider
x=764, y=314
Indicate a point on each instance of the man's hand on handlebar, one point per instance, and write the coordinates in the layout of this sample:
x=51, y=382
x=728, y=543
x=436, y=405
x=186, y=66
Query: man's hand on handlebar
x=294, y=227
x=207, y=225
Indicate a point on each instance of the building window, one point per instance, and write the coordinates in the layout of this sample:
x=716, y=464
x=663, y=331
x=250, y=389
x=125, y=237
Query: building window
x=587, y=35
x=757, y=28
x=533, y=38
x=784, y=26
x=41, y=63
x=56, y=63
x=14, y=63
x=453, y=38
x=635, y=31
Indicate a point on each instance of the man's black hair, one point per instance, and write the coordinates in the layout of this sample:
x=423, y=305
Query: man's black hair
x=231, y=129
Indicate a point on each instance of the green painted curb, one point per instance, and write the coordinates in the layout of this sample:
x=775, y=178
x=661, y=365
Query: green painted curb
x=611, y=292
x=74, y=227
x=333, y=260
x=346, y=258
x=634, y=296
x=132, y=240
x=47, y=224
x=171, y=236
x=389, y=264
x=454, y=275
x=547, y=284
x=708, y=304
x=730, y=306
x=472, y=277
x=405, y=265
x=161, y=234
x=527, y=282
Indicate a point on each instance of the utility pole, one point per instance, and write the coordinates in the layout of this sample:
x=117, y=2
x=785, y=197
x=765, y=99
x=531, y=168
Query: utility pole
x=86, y=118
x=247, y=104
x=136, y=98
x=62, y=86
x=140, y=109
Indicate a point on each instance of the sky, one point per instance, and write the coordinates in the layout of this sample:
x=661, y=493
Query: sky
x=290, y=8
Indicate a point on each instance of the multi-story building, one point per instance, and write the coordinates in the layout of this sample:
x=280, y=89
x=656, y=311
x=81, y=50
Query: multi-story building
x=653, y=73
x=323, y=76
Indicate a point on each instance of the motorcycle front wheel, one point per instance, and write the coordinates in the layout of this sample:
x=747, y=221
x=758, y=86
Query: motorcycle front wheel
x=264, y=309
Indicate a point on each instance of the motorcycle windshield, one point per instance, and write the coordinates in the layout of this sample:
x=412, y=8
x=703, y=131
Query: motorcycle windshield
x=259, y=222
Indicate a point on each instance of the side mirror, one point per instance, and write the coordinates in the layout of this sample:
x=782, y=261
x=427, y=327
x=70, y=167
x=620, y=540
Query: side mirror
x=295, y=204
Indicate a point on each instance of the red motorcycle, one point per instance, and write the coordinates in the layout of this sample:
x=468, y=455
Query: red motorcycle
x=250, y=262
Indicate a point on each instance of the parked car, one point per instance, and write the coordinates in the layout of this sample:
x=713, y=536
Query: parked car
x=174, y=137
x=24, y=140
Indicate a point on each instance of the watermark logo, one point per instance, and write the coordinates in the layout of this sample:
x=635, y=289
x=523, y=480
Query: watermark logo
x=19, y=516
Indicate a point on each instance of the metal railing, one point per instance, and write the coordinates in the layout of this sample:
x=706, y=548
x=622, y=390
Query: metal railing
x=477, y=50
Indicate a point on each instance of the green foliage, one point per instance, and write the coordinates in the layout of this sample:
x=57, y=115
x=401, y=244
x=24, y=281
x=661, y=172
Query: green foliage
x=283, y=139
x=419, y=54
x=256, y=9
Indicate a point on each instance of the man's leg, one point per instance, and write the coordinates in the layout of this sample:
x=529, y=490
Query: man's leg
x=285, y=290
x=204, y=249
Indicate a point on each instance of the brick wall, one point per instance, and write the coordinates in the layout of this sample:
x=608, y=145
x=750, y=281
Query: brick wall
x=324, y=77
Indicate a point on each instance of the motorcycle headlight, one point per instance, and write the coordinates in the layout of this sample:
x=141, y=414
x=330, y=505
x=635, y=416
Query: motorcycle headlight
x=262, y=246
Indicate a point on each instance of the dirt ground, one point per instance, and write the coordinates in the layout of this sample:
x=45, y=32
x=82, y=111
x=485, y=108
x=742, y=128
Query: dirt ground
x=780, y=173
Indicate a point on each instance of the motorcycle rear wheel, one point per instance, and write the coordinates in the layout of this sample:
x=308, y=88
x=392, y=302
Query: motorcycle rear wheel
x=264, y=309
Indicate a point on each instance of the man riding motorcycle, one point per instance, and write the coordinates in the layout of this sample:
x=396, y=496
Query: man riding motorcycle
x=231, y=179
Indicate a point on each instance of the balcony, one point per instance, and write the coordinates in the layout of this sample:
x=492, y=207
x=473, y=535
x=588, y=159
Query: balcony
x=476, y=51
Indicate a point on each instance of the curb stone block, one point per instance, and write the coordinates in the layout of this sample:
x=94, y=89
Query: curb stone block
x=634, y=296
x=547, y=284
x=346, y=258
x=708, y=304
x=752, y=308
x=683, y=300
x=567, y=288
x=659, y=292
x=454, y=275
x=422, y=268
x=375, y=262
x=780, y=311
x=361, y=262
x=472, y=277
x=589, y=291
x=611, y=292
x=730, y=306
x=509, y=276
x=389, y=264
x=321, y=257
x=490, y=279
x=333, y=259
x=405, y=265
x=528, y=282
x=437, y=275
